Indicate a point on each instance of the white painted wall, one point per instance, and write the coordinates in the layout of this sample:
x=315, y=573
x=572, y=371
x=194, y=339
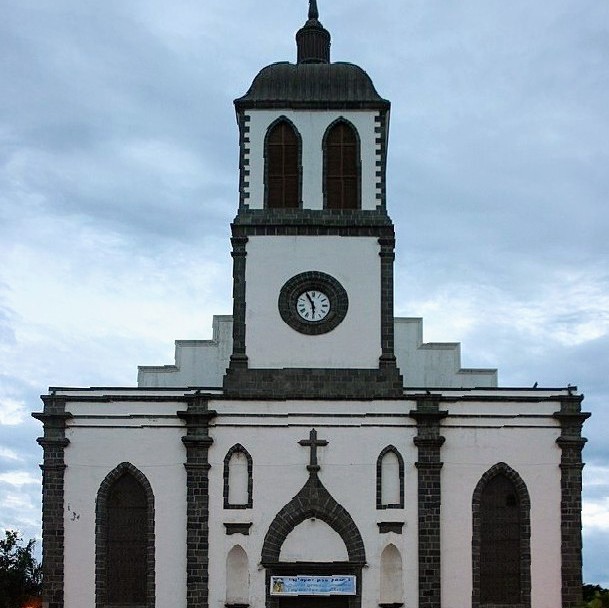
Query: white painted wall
x=204, y=362
x=357, y=432
x=312, y=125
x=478, y=435
x=197, y=362
x=313, y=541
x=96, y=448
x=353, y=261
x=467, y=454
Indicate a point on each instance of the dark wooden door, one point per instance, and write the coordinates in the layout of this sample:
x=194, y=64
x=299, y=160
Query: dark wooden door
x=315, y=602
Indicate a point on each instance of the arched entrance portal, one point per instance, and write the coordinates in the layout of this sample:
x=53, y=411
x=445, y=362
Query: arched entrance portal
x=333, y=557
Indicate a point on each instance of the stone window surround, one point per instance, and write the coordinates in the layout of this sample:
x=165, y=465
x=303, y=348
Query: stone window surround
x=238, y=449
x=390, y=449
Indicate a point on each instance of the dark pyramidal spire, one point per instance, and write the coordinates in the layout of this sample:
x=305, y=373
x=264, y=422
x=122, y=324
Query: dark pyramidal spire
x=313, y=40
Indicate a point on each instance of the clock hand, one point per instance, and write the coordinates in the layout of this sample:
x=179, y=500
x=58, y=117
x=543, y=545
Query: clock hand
x=312, y=303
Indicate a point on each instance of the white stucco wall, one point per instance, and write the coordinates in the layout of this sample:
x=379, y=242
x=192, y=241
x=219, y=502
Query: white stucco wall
x=473, y=445
x=97, y=446
x=356, y=434
x=204, y=362
x=312, y=125
x=479, y=433
x=197, y=362
x=353, y=261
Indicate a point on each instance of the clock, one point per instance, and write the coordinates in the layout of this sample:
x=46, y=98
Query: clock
x=313, y=303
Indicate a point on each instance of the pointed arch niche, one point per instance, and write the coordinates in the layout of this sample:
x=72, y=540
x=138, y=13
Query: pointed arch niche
x=237, y=578
x=282, y=165
x=392, y=579
x=501, y=551
x=313, y=502
x=342, y=166
x=390, y=479
x=124, y=540
x=238, y=478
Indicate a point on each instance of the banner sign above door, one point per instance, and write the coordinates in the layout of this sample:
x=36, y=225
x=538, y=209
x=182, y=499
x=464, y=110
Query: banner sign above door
x=341, y=584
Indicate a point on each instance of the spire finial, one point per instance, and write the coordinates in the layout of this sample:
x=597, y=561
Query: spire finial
x=313, y=12
x=313, y=40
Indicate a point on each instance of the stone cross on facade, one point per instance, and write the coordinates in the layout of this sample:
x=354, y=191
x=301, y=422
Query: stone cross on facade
x=313, y=443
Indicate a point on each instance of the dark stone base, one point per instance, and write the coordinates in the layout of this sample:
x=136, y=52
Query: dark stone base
x=295, y=383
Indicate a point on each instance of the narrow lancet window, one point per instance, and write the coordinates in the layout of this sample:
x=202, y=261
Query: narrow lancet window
x=341, y=167
x=390, y=479
x=501, y=542
x=238, y=481
x=127, y=509
x=282, y=171
x=125, y=540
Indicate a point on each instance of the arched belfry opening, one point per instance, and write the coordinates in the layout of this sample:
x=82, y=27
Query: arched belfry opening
x=314, y=508
x=282, y=162
x=342, y=166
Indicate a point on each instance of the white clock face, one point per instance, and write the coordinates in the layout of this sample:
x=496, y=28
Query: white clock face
x=313, y=305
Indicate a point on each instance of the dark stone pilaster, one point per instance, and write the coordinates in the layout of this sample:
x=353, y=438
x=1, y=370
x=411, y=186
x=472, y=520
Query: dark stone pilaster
x=238, y=359
x=53, y=442
x=197, y=442
x=571, y=442
x=429, y=443
x=387, y=254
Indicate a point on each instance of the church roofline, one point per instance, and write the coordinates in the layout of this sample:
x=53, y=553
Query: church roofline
x=312, y=86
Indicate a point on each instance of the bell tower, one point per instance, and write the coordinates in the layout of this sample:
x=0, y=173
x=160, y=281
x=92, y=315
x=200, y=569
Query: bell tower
x=313, y=245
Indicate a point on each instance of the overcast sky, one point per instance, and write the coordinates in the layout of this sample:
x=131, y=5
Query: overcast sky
x=118, y=180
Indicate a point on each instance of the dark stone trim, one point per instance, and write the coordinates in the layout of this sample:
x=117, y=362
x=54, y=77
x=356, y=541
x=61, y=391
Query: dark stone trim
x=502, y=468
x=381, y=142
x=101, y=534
x=239, y=358
x=387, y=255
x=239, y=528
x=54, y=418
x=429, y=443
x=312, y=222
x=313, y=501
x=238, y=448
x=197, y=442
x=393, y=605
x=244, y=130
x=313, y=280
x=286, y=120
x=390, y=526
x=390, y=449
x=571, y=443
x=324, y=147
x=309, y=383
x=291, y=104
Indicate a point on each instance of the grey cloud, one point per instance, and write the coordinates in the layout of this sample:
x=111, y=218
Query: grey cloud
x=118, y=120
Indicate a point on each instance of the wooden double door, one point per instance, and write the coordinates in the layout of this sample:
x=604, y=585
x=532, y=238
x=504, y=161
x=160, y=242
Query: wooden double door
x=314, y=602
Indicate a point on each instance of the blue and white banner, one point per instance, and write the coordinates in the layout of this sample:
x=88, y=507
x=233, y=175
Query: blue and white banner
x=338, y=584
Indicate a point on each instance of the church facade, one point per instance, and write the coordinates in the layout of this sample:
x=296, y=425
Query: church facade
x=315, y=453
